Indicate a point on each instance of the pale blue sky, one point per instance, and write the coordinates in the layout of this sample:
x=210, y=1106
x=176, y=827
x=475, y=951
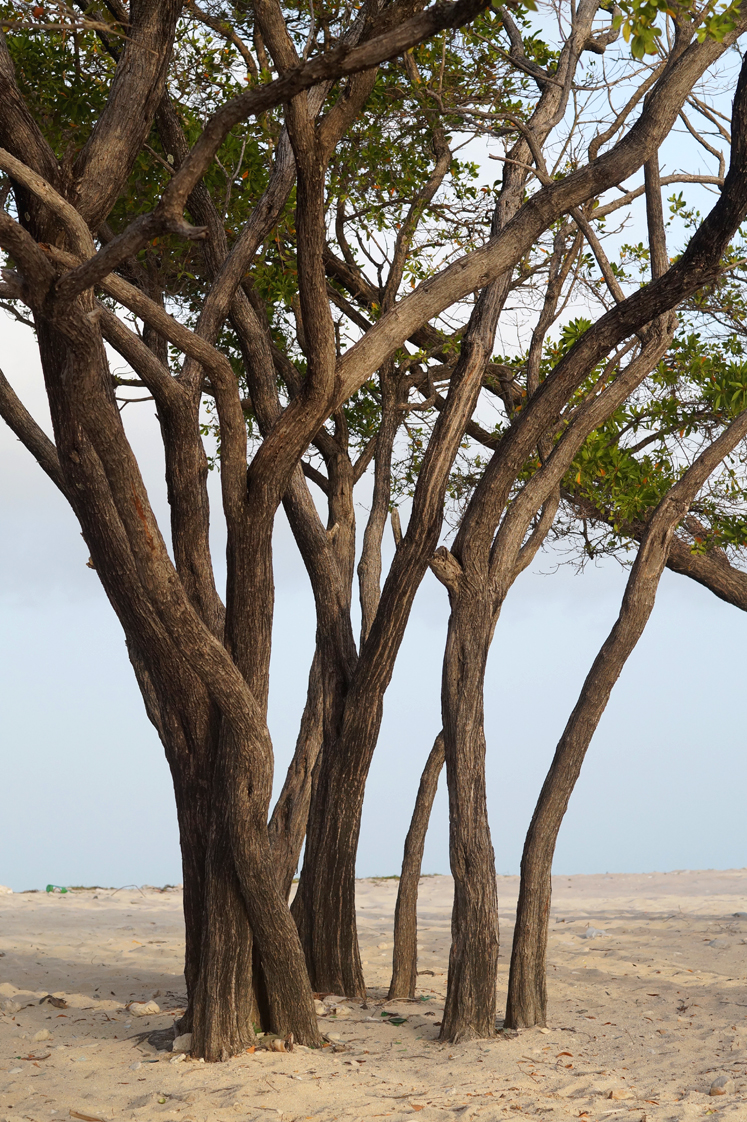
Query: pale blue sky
x=86, y=791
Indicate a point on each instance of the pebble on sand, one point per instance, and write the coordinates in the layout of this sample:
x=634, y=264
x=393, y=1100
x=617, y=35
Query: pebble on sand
x=143, y=1008
x=721, y=1085
x=619, y=1093
x=182, y=1043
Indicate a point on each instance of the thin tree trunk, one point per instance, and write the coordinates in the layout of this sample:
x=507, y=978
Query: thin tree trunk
x=287, y=826
x=527, y=991
x=324, y=906
x=405, y=953
x=473, y=962
x=369, y=566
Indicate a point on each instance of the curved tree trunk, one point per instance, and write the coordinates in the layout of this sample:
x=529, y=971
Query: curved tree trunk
x=527, y=993
x=527, y=990
x=287, y=825
x=473, y=962
x=405, y=953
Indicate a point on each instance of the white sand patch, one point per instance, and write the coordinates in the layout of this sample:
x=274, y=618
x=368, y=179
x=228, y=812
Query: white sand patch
x=644, y=1018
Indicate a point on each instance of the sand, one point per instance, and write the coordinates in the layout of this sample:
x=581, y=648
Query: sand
x=642, y=1020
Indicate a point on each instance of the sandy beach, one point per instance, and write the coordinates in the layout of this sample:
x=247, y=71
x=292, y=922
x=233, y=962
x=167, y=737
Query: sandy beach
x=643, y=1018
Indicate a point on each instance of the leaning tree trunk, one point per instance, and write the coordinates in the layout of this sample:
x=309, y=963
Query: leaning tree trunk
x=287, y=825
x=405, y=953
x=527, y=992
x=527, y=989
x=473, y=962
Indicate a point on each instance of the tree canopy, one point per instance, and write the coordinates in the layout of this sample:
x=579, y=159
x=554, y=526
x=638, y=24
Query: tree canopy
x=279, y=217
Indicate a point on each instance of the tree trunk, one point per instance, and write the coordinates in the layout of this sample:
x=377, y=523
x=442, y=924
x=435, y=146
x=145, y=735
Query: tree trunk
x=405, y=953
x=187, y=725
x=473, y=962
x=324, y=905
x=225, y=1007
x=527, y=993
x=527, y=990
x=287, y=826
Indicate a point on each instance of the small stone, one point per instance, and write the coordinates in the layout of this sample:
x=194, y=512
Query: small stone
x=619, y=1093
x=143, y=1008
x=15, y=1071
x=721, y=1085
x=180, y=1058
x=182, y=1043
x=43, y=1034
x=136, y=1066
x=332, y=1036
x=593, y=933
x=721, y=943
x=11, y=1008
x=320, y=1008
x=382, y=946
x=544, y=1030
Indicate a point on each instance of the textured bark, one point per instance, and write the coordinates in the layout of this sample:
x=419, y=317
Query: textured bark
x=405, y=952
x=287, y=827
x=204, y=671
x=225, y=1007
x=527, y=992
x=135, y=570
x=188, y=725
x=473, y=961
x=324, y=906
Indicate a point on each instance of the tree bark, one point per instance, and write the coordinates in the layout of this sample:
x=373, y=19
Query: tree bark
x=287, y=826
x=225, y=1007
x=324, y=906
x=405, y=953
x=527, y=992
x=187, y=724
x=473, y=961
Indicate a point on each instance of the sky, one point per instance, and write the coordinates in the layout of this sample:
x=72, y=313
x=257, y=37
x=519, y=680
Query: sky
x=86, y=794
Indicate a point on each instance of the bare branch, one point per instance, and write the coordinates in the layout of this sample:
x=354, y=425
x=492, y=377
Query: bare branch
x=19, y=420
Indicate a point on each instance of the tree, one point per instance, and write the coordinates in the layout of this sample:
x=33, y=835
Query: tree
x=127, y=204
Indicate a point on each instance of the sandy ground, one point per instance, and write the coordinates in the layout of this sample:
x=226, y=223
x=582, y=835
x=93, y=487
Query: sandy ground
x=643, y=1018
